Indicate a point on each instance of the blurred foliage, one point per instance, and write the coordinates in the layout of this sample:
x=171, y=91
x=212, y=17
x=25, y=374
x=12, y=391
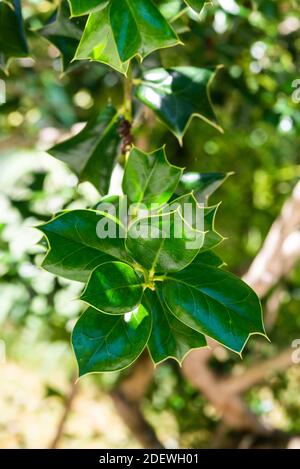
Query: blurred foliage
x=257, y=42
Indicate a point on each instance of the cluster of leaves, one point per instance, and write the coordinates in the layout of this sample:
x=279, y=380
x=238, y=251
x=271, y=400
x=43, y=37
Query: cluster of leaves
x=251, y=95
x=110, y=31
x=149, y=290
x=141, y=291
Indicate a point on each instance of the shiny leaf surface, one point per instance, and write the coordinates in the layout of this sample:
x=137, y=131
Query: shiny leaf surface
x=83, y=7
x=178, y=94
x=114, y=288
x=149, y=178
x=74, y=246
x=164, y=242
x=104, y=342
x=215, y=303
x=124, y=29
x=169, y=338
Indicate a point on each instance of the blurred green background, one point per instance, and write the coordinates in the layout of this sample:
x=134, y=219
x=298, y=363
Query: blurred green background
x=258, y=43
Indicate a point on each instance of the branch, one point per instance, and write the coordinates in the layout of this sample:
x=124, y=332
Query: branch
x=281, y=249
x=232, y=408
x=127, y=398
x=258, y=373
x=69, y=401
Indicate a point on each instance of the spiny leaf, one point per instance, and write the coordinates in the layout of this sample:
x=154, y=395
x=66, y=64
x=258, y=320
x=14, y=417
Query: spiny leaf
x=97, y=42
x=103, y=342
x=114, y=288
x=215, y=303
x=202, y=184
x=75, y=248
x=122, y=30
x=64, y=33
x=169, y=337
x=12, y=38
x=198, y=217
x=92, y=153
x=149, y=178
x=178, y=94
x=164, y=242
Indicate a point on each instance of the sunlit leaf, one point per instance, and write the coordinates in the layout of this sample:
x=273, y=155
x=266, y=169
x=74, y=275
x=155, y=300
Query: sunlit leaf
x=113, y=287
x=103, y=342
x=178, y=94
x=170, y=338
x=215, y=303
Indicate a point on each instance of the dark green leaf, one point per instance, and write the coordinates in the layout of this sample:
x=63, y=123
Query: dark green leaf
x=97, y=42
x=74, y=246
x=178, y=94
x=202, y=184
x=212, y=237
x=198, y=217
x=164, y=242
x=149, y=178
x=215, y=303
x=12, y=38
x=92, y=153
x=169, y=337
x=114, y=288
x=104, y=342
x=122, y=30
x=64, y=33
x=83, y=7
x=207, y=258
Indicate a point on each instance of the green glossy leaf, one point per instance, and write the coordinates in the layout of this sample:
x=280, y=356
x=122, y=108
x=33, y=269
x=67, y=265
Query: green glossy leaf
x=207, y=258
x=124, y=29
x=212, y=237
x=163, y=243
x=12, y=38
x=198, y=217
x=178, y=94
x=139, y=28
x=104, y=342
x=113, y=288
x=215, y=303
x=92, y=153
x=83, y=7
x=169, y=337
x=202, y=184
x=74, y=246
x=97, y=42
x=149, y=178
x=64, y=33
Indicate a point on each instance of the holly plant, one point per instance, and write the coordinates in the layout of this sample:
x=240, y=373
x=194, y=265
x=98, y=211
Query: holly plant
x=151, y=279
